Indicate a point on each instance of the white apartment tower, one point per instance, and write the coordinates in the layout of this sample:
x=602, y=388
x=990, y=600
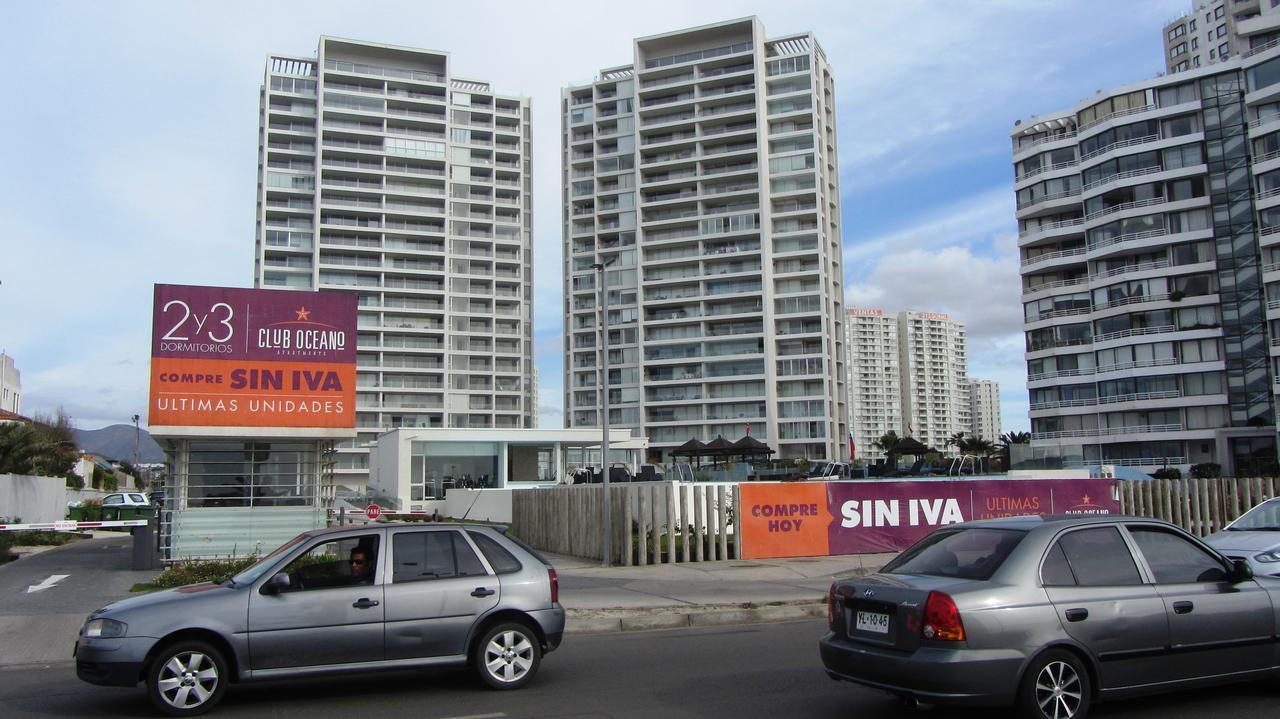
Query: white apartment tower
x=382, y=173
x=935, y=385
x=984, y=409
x=1149, y=232
x=1209, y=32
x=10, y=385
x=703, y=173
x=875, y=378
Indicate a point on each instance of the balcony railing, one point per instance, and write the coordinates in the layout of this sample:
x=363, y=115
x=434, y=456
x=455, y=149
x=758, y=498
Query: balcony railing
x=1045, y=168
x=1045, y=140
x=1140, y=396
x=1114, y=115
x=1118, y=145
x=1051, y=226
x=1134, y=332
x=1140, y=267
x=1124, y=206
x=1027, y=261
x=1105, y=431
x=1123, y=176
x=1079, y=372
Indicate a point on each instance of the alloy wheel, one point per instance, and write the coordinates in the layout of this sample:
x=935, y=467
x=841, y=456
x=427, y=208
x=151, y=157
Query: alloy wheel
x=187, y=680
x=508, y=656
x=1058, y=691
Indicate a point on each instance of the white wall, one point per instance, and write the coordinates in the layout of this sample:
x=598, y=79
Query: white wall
x=486, y=505
x=33, y=499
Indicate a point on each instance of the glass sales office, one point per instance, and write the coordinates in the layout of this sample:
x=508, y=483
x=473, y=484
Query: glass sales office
x=414, y=468
x=241, y=491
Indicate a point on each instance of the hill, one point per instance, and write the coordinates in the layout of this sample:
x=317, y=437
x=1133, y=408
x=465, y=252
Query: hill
x=116, y=442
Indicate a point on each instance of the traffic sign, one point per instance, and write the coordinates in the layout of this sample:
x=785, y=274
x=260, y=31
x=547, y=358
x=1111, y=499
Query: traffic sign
x=373, y=511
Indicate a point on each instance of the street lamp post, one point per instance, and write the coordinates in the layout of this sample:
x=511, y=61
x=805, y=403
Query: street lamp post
x=606, y=519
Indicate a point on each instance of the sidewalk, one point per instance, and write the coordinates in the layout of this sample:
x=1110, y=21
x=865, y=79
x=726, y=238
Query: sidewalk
x=599, y=599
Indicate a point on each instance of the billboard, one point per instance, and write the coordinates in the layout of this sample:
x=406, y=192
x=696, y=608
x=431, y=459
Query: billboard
x=807, y=519
x=227, y=357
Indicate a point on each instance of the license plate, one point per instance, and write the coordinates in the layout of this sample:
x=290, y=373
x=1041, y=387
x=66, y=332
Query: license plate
x=873, y=622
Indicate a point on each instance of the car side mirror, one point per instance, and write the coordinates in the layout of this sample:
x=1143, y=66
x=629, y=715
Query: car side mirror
x=276, y=584
x=1240, y=571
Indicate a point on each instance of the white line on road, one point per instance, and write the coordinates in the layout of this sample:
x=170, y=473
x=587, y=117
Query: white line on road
x=499, y=715
x=52, y=580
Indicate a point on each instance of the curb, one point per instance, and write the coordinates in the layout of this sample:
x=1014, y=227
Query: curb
x=684, y=618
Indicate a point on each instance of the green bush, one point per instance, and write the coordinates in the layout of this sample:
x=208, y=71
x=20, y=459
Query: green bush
x=35, y=538
x=75, y=481
x=1206, y=470
x=195, y=571
x=6, y=542
x=1167, y=473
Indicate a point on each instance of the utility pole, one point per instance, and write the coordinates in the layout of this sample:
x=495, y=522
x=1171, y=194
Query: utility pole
x=137, y=438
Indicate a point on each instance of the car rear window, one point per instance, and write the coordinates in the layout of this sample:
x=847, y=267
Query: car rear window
x=502, y=561
x=971, y=553
x=516, y=541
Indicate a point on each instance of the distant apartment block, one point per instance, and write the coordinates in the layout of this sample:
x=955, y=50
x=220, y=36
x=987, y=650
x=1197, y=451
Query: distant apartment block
x=1208, y=32
x=906, y=374
x=935, y=388
x=10, y=385
x=383, y=173
x=984, y=409
x=703, y=175
x=1149, y=233
x=874, y=378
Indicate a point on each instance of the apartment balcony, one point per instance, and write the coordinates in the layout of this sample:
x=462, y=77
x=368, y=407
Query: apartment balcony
x=1045, y=170
x=1108, y=431
x=1022, y=152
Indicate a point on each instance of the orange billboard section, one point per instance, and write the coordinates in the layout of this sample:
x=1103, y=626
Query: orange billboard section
x=783, y=520
x=247, y=393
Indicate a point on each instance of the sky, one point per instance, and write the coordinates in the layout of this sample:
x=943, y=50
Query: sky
x=132, y=152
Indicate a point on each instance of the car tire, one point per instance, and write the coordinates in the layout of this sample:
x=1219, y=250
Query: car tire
x=507, y=656
x=187, y=678
x=1055, y=686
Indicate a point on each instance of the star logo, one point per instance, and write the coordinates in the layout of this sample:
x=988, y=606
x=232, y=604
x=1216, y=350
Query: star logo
x=303, y=313
x=1086, y=499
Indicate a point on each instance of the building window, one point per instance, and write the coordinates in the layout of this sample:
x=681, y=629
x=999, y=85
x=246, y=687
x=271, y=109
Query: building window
x=1222, y=30
x=1195, y=43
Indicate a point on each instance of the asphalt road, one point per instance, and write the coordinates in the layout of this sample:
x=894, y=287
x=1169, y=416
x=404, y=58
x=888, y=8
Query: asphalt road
x=41, y=625
x=757, y=671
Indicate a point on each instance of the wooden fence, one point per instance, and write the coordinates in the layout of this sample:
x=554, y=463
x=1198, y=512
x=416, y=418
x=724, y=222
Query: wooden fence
x=651, y=522
x=1200, y=506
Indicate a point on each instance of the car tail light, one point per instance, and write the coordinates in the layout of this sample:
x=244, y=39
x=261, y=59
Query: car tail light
x=831, y=606
x=942, y=619
x=554, y=579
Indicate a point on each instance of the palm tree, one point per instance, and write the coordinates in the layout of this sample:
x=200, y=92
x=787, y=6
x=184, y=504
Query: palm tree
x=955, y=440
x=1007, y=440
x=885, y=445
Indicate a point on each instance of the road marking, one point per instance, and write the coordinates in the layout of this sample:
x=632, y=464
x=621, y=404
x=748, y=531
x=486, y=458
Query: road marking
x=52, y=580
x=499, y=715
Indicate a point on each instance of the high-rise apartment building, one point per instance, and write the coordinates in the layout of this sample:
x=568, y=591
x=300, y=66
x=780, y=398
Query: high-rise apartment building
x=1208, y=32
x=908, y=375
x=1148, y=219
x=703, y=173
x=383, y=173
x=984, y=409
x=933, y=358
x=10, y=385
x=875, y=378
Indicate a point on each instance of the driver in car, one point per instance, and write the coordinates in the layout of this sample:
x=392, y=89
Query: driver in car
x=361, y=566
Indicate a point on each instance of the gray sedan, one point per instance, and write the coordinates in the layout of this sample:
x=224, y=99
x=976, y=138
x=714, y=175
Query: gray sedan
x=1254, y=537
x=1052, y=614
x=333, y=601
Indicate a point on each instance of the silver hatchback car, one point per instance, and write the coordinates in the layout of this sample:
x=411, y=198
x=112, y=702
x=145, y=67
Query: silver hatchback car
x=1051, y=614
x=336, y=600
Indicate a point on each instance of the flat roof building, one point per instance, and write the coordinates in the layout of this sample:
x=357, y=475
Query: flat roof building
x=384, y=173
x=701, y=184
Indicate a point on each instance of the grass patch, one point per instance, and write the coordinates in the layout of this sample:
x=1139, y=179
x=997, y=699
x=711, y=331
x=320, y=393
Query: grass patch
x=35, y=538
x=144, y=588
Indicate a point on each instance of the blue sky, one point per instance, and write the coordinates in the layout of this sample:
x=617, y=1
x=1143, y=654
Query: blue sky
x=131, y=137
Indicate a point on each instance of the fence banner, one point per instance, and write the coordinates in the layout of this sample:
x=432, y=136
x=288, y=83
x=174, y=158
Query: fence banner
x=805, y=519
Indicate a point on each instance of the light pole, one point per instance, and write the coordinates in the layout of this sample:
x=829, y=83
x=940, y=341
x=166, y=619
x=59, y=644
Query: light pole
x=606, y=519
x=136, y=438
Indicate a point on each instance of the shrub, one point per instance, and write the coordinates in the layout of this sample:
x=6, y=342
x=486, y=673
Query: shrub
x=1167, y=473
x=6, y=542
x=195, y=571
x=1206, y=470
x=75, y=481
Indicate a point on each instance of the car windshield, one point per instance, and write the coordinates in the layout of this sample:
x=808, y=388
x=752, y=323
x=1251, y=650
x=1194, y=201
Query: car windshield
x=1263, y=518
x=256, y=569
x=971, y=553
